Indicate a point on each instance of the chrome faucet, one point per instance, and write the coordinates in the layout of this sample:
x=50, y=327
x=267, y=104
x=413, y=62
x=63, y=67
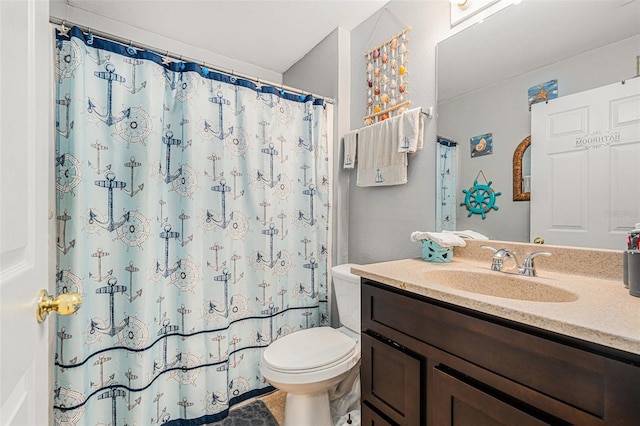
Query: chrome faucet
x=528, y=269
x=498, y=257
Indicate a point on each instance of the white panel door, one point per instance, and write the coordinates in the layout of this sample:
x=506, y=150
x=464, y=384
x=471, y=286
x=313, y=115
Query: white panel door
x=25, y=138
x=585, y=167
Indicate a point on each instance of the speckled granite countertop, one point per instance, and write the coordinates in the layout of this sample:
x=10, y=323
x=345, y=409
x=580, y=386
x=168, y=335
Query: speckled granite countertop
x=602, y=312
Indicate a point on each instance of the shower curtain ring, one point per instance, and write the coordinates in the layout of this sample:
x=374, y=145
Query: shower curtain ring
x=64, y=30
x=166, y=60
x=131, y=50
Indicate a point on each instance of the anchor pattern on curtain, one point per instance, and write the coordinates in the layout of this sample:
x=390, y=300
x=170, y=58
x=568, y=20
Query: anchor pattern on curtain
x=192, y=215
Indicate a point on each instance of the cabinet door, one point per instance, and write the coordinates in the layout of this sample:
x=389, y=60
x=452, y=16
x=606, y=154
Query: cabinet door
x=457, y=402
x=392, y=381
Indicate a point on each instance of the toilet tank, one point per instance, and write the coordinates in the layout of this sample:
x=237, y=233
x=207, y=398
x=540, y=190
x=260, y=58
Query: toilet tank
x=347, y=292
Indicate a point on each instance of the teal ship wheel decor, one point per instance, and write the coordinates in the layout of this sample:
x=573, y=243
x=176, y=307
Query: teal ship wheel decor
x=480, y=198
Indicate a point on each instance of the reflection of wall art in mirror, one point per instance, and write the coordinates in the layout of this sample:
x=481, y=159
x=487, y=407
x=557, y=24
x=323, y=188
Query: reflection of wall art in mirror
x=520, y=185
x=543, y=92
x=482, y=145
x=480, y=198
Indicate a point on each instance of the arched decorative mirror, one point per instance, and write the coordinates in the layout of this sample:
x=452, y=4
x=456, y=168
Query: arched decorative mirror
x=522, y=171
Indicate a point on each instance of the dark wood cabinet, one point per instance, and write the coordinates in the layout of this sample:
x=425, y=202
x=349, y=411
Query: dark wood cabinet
x=371, y=418
x=458, y=401
x=393, y=380
x=425, y=362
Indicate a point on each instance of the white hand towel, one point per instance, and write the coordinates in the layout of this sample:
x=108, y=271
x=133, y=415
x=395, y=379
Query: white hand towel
x=471, y=235
x=441, y=238
x=379, y=162
x=350, y=142
x=410, y=130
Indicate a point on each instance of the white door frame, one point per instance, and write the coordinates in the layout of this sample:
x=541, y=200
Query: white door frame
x=26, y=149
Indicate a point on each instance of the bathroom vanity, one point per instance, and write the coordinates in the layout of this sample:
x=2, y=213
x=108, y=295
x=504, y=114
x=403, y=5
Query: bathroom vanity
x=433, y=354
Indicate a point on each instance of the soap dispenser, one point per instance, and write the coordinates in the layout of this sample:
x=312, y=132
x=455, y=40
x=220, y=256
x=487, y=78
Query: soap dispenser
x=631, y=262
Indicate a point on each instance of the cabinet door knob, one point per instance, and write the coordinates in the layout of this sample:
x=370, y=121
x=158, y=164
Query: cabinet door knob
x=538, y=240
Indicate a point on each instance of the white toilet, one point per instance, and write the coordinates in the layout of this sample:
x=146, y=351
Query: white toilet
x=307, y=363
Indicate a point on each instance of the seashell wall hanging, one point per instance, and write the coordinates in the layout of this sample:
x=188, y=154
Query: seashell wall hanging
x=387, y=78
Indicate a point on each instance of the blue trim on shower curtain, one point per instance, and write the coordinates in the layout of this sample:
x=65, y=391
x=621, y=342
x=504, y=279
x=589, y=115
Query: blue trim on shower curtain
x=446, y=142
x=177, y=66
x=223, y=414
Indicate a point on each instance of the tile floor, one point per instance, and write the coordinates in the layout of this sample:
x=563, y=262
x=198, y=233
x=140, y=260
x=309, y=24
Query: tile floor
x=275, y=402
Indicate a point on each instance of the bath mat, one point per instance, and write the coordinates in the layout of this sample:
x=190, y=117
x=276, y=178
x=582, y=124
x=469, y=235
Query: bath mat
x=253, y=414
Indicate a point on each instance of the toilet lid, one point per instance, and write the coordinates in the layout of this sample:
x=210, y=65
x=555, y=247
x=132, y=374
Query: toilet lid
x=309, y=349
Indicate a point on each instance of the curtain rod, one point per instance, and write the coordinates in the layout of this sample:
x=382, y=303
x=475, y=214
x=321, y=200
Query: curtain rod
x=182, y=58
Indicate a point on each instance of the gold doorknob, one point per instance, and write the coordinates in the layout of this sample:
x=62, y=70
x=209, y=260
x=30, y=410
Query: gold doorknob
x=64, y=304
x=538, y=240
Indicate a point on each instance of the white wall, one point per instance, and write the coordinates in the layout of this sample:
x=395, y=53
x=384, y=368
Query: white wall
x=503, y=110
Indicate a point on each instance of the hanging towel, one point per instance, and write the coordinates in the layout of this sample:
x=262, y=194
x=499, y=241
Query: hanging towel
x=410, y=130
x=441, y=238
x=470, y=235
x=379, y=162
x=350, y=141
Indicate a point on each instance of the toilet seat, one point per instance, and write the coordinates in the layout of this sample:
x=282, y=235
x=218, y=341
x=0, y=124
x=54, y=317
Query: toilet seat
x=309, y=350
x=309, y=355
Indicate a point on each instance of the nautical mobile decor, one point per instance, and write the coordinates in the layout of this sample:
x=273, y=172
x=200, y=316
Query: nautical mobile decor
x=480, y=198
x=387, y=75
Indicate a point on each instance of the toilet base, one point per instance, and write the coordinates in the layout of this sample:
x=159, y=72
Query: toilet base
x=301, y=408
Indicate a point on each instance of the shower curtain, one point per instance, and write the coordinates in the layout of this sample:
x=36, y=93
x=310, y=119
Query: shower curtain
x=447, y=165
x=193, y=216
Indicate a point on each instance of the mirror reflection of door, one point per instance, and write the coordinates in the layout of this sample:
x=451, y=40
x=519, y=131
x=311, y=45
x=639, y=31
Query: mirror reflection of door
x=585, y=170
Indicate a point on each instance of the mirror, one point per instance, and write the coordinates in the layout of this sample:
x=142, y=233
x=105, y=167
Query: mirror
x=484, y=73
x=522, y=171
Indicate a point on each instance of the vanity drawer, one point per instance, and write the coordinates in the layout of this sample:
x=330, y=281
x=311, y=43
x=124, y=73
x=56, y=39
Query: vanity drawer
x=459, y=402
x=595, y=384
x=392, y=381
x=370, y=417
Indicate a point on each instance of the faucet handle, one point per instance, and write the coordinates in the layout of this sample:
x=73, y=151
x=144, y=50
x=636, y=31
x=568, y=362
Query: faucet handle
x=499, y=255
x=528, y=267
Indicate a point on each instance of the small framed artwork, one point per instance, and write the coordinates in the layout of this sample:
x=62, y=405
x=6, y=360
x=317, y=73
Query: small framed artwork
x=543, y=92
x=482, y=145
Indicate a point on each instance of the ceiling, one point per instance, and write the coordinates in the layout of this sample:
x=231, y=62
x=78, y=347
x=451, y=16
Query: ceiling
x=531, y=35
x=270, y=34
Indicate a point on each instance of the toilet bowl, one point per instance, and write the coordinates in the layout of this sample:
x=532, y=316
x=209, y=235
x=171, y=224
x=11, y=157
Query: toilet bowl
x=308, y=363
